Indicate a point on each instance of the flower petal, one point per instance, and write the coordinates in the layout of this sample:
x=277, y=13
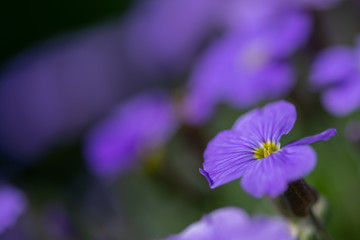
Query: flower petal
x=294, y=29
x=344, y=98
x=333, y=65
x=208, y=80
x=278, y=78
x=233, y=223
x=226, y=158
x=13, y=204
x=272, y=228
x=268, y=123
x=271, y=81
x=137, y=126
x=158, y=38
x=271, y=175
x=325, y=135
x=223, y=223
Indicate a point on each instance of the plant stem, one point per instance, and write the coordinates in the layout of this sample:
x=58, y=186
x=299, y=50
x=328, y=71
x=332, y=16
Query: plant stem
x=320, y=229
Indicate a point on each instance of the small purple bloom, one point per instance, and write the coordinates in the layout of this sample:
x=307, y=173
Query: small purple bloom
x=337, y=71
x=233, y=223
x=140, y=125
x=12, y=204
x=251, y=150
x=245, y=68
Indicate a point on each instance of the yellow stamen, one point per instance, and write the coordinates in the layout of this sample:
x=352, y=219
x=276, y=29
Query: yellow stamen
x=265, y=149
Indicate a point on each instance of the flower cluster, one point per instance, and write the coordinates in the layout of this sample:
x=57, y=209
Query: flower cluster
x=110, y=88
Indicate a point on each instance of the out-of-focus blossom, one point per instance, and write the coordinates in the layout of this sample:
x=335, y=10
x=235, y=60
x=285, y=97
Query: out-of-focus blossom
x=136, y=127
x=52, y=93
x=232, y=223
x=336, y=71
x=12, y=204
x=254, y=15
x=247, y=15
x=164, y=36
x=244, y=69
x=251, y=150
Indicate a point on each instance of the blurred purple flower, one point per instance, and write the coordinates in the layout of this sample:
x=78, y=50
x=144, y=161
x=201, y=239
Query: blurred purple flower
x=233, y=223
x=247, y=14
x=52, y=93
x=158, y=38
x=244, y=69
x=251, y=150
x=252, y=15
x=336, y=71
x=138, y=126
x=12, y=205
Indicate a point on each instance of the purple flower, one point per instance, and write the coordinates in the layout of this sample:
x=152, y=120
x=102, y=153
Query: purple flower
x=249, y=14
x=245, y=68
x=251, y=150
x=52, y=93
x=336, y=70
x=12, y=204
x=159, y=38
x=232, y=223
x=138, y=126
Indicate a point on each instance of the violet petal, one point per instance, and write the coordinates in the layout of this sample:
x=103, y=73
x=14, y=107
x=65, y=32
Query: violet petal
x=323, y=136
x=268, y=123
x=272, y=174
x=343, y=99
x=226, y=157
x=333, y=65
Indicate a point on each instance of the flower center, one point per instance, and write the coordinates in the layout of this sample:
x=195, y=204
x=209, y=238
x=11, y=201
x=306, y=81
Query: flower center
x=265, y=149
